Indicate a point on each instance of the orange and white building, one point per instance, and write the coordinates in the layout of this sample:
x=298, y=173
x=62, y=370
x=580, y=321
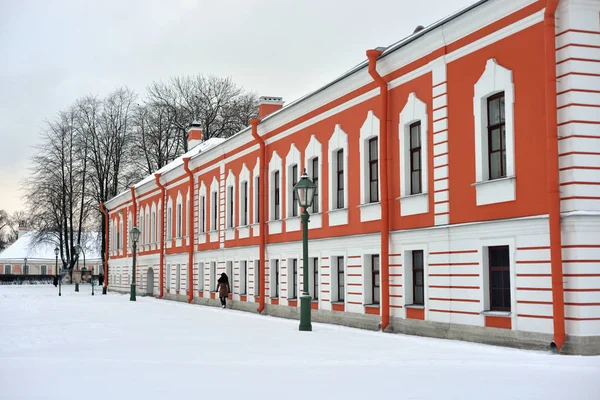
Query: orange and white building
x=458, y=176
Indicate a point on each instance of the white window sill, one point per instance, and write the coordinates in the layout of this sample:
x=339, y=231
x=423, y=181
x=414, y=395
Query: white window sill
x=371, y=305
x=415, y=306
x=496, y=313
x=414, y=204
x=370, y=211
x=275, y=226
x=338, y=216
x=292, y=224
x=230, y=233
x=496, y=190
x=213, y=236
x=243, y=231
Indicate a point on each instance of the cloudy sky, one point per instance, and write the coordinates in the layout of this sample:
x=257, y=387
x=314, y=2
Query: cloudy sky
x=52, y=52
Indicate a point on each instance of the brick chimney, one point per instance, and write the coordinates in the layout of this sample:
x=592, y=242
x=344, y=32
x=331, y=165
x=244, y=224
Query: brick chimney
x=194, y=135
x=22, y=231
x=268, y=105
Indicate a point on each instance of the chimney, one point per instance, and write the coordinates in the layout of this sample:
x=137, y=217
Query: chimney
x=22, y=231
x=194, y=135
x=268, y=105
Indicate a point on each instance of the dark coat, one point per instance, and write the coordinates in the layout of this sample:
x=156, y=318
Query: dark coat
x=223, y=286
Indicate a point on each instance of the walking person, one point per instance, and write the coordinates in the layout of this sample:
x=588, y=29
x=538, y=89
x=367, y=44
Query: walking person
x=223, y=289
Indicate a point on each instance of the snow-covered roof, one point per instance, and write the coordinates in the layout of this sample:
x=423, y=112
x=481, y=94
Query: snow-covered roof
x=24, y=248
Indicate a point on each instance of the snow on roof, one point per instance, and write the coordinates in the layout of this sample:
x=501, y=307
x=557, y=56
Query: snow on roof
x=205, y=145
x=23, y=248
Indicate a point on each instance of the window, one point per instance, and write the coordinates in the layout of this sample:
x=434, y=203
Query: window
x=275, y=272
x=375, y=278
x=202, y=214
x=373, y=171
x=169, y=223
x=147, y=226
x=339, y=199
x=341, y=286
x=118, y=246
x=257, y=199
x=294, y=195
x=215, y=212
x=243, y=277
x=276, y=199
x=153, y=233
x=257, y=278
x=167, y=277
x=417, y=277
x=244, y=221
x=178, y=277
x=8, y=270
x=315, y=179
x=178, y=233
x=230, y=205
x=415, y=158
x=315, y=271
x=212, y=276
x=294, y=278
x=499, y=264
x=496, y=131
x=43, y=270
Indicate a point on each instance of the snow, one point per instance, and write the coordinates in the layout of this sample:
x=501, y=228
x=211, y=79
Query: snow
x=80, y=346
x=23, y=248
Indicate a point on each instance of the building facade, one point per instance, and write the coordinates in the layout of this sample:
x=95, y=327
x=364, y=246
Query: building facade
x=458, y=190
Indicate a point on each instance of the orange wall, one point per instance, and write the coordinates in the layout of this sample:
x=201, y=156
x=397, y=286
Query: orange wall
x=523, y=53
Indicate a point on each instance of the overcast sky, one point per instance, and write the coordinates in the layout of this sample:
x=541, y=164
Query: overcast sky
x=52, y=52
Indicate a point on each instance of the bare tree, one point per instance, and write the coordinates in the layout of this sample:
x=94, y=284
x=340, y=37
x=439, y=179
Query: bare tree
x=220, y=106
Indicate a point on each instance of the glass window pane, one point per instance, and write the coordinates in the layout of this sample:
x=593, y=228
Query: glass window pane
x=415, y=183
x=418, y=297
x=374, y=171
x=502, y=108
x=495, y=139
x=373, y=149
x=495, y=166
x=493, y=111
x=416, y=160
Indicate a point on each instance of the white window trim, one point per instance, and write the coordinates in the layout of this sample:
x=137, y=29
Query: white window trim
x=290, y=278
x=407, y=277
x=415, y=110
x=334, y=277
x=170, y=220
x=495, y=79
x=230, y=223
x=315, y=149
x=153, y=223
x=293, y=157
x=369, y=129
x=255, y=194
x=202, y=216
x=484, y=280
x=368, y=275
x=275, y=164
x=338, y=141
x=179, y=218
x=214, y=229
x=244, y=229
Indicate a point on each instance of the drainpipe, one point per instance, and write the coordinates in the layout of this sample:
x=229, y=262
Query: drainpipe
x=262, y=212
x=558, y=300
x=104, y=211
x=385, y=211
x=191, y=233
x=134, y=200
x=162, y=236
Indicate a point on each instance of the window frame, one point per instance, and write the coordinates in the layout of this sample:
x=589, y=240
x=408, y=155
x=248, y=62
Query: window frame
x=294, y=278
x=421, y=271
x=244, y=219
x=231, y=205
x=316, y=283
x=341, y=287
x=491, y=127
x=414, y=152
x=375, y=288
x=503, y=288
x=373, y=194
x=295, y=207
x=339, y=187
x=315, y=178
x=214, y=221
x=179, y=220
x=276, y=196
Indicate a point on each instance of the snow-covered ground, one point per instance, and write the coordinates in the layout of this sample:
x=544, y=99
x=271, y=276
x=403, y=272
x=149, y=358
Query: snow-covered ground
x=106, y=347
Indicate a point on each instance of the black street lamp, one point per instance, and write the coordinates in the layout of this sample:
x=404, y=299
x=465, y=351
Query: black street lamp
x=56, y=251
x=305, y=192
x=134, y=234
x=76, y=251
x=80, y=250
x=25, y=267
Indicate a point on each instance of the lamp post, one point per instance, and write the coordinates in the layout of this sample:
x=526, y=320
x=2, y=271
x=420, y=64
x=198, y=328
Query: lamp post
x=25, y=270
x=76, y=250
x=56, y=251
x=80, y=250
x=135, y=234
x=305, y=192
